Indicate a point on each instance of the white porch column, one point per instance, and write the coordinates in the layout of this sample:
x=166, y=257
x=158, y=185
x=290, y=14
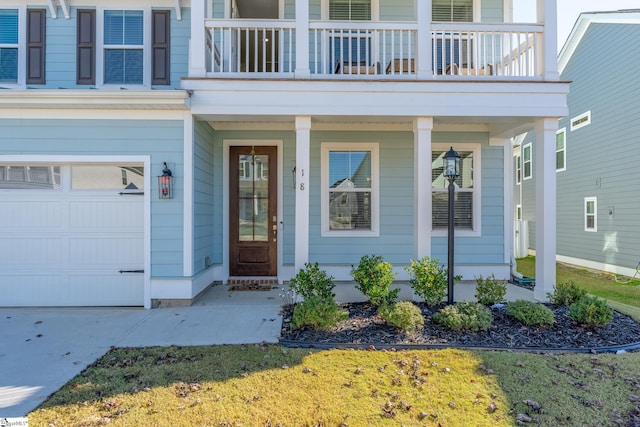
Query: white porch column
x=197, y=66
x=423, y=42
x=422, y=127
x=302, y=40
x=545, y=173
x=303, y=142
x=548, y=15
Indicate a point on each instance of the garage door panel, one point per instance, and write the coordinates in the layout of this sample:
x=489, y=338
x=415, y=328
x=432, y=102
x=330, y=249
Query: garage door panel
x=118, y=214
x=112, y=250
x=29, y=214
x=107, y=287
x=31, y=252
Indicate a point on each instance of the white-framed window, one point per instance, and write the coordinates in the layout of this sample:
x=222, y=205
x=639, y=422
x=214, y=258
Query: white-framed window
x=9, y=46
x=350, y=10
x=519, y=212
x=527, y=169
x=29, y=177
x=467, y=190
x=582, y=120
x=350, y=190
x=107, y=177
x=591, y=214
x=123, y=47
x=561, y=150
x=518, y=169
x=452, y=10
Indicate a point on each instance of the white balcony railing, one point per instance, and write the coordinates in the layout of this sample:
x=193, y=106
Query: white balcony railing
x=382, y=50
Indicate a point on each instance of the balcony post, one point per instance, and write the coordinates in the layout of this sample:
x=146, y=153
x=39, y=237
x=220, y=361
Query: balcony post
x=423, y=42
x=197, y=66
x=548, y=16
x=302, y=40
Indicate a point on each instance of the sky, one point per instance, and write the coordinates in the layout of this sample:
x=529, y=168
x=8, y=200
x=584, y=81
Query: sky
x=568, y=12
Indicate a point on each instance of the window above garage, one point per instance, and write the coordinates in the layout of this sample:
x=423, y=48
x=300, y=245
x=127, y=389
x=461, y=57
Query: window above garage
x=107, y=177
x=29, y=177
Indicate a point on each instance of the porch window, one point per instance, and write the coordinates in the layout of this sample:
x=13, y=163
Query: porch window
x=467, y=200
x=8, y=45
x=591, y=214
x=350, y=47
x=526, y=161
x=123, y=47
x=349, y=189
x=561, y=150
x=350, y=10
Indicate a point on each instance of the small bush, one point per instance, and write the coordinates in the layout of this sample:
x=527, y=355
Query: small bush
x=490, y=290
x=531, y=313
x=429, y=280
x=374, y=277
x=404, y=315
x=317, y=313
x=591, y=311
x=469, y=316
x=566, y=293
x=313, y=282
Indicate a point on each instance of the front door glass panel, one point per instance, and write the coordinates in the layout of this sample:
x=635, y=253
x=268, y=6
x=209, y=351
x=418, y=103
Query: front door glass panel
x=253, y=200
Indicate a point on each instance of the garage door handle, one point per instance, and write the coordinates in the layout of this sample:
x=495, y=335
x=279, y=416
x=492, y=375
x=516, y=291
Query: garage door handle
x=131, y=193
x=131, y=271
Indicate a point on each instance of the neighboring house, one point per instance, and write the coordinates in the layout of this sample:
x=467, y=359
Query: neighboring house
x=260, y=109
x=598, y=181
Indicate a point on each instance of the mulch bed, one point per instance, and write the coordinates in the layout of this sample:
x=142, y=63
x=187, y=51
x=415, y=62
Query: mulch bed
x=364, y=327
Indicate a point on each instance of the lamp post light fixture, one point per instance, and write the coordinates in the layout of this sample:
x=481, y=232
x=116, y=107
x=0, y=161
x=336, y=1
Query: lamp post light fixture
x=451, y=172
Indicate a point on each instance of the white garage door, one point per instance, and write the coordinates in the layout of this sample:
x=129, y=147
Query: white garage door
x=67, y=241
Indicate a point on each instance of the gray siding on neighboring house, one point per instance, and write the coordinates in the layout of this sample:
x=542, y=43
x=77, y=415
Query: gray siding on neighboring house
x=160, y=139
x=603, y=73
x=203, y=197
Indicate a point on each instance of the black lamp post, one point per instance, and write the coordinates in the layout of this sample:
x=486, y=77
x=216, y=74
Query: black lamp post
x=451, y=172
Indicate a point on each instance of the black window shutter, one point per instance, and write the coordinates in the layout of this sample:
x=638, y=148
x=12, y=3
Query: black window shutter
x=160, y=41
x=86, y=53
x=36, y=21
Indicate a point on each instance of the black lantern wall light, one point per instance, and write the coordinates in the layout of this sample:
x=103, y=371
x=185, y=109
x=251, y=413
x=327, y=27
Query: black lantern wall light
x=165, y=183
x=451, y=172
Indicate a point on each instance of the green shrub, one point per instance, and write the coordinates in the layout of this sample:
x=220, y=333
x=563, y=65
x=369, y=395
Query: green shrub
x=374, y=277
x=531, y=313
x=317, y=313
x=313, y=282
x=404, y=315
x=591, y=311
x=490, y=290
x=566, y=293
x=429, y=280
x=469, y=316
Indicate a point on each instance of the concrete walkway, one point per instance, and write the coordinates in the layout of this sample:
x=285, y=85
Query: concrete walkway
x=43, y=348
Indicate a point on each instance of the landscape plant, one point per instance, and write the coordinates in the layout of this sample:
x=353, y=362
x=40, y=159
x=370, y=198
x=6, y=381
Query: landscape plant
x=469, y=316
x=490, y=290
x=531, y=313
x=566, y=293
x=373, y=277
x=404, y=315
x=311, y=281
x=429, y=279
x=591, y=311
x=317, y=313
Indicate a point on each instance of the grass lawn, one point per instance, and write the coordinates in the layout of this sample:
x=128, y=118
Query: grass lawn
x=268, y=385
x=595, y=282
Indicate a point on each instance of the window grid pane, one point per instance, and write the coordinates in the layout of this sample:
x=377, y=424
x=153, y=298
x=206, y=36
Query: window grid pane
x=349, y=190
x=8, y=26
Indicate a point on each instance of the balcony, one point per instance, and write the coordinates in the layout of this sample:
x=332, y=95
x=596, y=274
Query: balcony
x=267, y=49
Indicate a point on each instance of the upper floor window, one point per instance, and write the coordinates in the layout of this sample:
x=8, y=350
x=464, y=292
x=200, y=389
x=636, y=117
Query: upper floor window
x=452, y=10
x=123, y=47
x=526, y=162
x=591, y=214
x=350, y=10
x=467, y=189
x=8, y=45
x=561, y=150
x=350, y=190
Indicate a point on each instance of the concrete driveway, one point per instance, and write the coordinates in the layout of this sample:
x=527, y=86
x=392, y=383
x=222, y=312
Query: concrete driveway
x=43, y=348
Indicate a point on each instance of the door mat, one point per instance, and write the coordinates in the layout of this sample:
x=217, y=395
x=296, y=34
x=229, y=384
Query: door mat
x=252, y=287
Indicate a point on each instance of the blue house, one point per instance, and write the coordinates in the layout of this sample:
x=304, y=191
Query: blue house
x=597, y=212
x=295, y=131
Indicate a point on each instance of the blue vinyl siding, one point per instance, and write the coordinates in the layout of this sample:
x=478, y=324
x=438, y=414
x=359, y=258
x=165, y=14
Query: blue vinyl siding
x=203, y=197
x=162, y=140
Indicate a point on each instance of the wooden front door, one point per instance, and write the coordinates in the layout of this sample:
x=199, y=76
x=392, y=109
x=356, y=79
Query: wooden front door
x=253, y=217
